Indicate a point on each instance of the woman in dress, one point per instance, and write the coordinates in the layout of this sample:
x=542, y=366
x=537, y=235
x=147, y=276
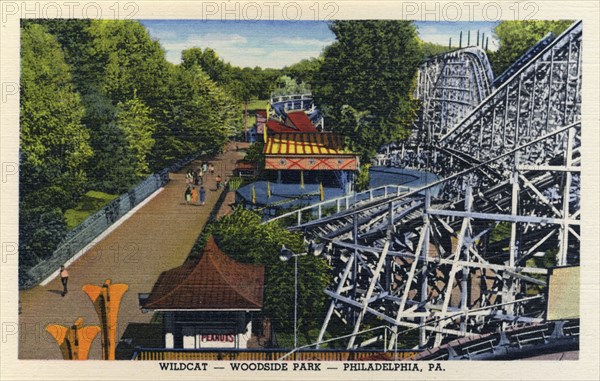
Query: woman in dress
x=188, y=195
x=194, y=195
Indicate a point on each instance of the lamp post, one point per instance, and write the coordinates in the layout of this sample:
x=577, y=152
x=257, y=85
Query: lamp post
x=285, y=255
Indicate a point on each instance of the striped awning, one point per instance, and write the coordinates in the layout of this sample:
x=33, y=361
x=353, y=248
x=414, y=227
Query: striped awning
x=323, y=143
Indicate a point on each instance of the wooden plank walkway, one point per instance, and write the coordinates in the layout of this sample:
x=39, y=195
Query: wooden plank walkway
x=156, y=238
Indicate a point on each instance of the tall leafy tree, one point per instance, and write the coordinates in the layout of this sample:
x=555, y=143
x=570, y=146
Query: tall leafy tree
x=243, y=84
x=114, y=62
x=54, y=143
x=137, y=125
x=516, y=37
x=54, y=146
x=199, y=115
x=304, y=70
x=371, y=68
x=109, y=170
x=210, y=63
x=131, y=61
x=132, y=79
x=75, y=40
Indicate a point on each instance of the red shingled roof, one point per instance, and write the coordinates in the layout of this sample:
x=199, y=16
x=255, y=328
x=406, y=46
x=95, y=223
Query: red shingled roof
x=301, y=121
x=296, y=121
x=278, y=127
x=215, y=282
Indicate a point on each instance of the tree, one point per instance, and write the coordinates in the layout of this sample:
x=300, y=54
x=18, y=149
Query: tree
x=54, y=146
x=210, y=63
x=516, y=37
x=287, y=85
x=54, y=143
x=371, y=68
x=137, y=125
x=243, y=238
x=431, y=49
x=113, y=63
x=41, y=229
x=199, y=117
x=134, y=79
x=131, y=61
x=304, y=70
x=74, y=37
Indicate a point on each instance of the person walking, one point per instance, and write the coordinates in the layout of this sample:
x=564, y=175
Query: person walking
x=194, y=195
x=64, y=279
x=188, y=195
x=219, y=180
x=202, y=195
x=211, y=167
x=204, y=167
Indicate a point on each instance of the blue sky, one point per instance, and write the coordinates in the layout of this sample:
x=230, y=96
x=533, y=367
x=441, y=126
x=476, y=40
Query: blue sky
x=276, y=44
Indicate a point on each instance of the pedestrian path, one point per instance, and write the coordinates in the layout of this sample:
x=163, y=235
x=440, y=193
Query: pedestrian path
x=156, y=238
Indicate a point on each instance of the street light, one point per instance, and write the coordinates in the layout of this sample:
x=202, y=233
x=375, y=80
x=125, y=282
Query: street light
x=285, y=255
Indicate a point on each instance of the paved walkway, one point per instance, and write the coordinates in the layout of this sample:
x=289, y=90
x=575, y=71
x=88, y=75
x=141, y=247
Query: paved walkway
x=156, y=238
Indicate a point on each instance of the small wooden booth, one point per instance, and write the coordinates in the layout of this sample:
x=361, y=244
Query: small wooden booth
x=208, y=303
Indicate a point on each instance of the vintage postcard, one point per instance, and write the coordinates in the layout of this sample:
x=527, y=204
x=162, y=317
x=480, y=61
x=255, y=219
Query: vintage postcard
x=299, y=190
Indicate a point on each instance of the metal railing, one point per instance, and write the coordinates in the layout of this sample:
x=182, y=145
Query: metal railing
x=84, y=235
x=339, y=204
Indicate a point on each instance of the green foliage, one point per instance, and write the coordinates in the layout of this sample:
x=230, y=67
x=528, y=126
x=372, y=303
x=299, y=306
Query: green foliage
x=96, y=96
x=235, y=183
x=110, y=170
x=114, y=63
x=362, y=180
x=208, y=60
x=243, y=84
x=548, y=260
x=431, y=49
x=76, y=42
x=303, y=71
x=359, y=131
x=88, y=204
x=241, y=236
x=254, y=153
x=516, y=37
x=131, y=61
x=257, y=104
x=289, y=86
x=500, y=232
x=137, y=125
x=365, y=83
x=132, y=68
x=40, y=231
x=199, y=117
x=54, y=143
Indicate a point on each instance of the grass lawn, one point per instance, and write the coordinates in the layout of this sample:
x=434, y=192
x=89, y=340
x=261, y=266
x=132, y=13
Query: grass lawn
x=257, y=104
x=90, y=203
